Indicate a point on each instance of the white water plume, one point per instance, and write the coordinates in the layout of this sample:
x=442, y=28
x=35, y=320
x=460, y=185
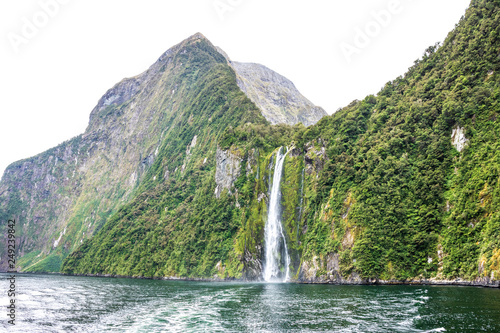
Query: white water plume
x=276, y=250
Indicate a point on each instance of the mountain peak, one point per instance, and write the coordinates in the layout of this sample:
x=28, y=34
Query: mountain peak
x=196, y=38
x=197, y=35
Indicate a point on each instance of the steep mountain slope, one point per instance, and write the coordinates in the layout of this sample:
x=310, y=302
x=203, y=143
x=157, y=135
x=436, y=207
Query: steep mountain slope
x=400, y=186
x=276, y=96
x=62, y=196
x=399, y=198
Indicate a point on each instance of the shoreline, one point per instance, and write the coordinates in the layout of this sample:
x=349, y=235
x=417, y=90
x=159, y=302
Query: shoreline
x=485, y=282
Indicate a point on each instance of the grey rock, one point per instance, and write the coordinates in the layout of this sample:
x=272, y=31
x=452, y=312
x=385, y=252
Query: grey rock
x=227, y=170
x=458, y=139
x=315, y=157
x=276, y=96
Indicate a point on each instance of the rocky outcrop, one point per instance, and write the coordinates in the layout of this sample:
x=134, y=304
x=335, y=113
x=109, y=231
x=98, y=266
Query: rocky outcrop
x=327, y=271
x=253, y=265
x=458, y=139
x=227, y=170
x=315, y=156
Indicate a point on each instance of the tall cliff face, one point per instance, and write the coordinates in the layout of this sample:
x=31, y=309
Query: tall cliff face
x=63, y=196
x=399, y=186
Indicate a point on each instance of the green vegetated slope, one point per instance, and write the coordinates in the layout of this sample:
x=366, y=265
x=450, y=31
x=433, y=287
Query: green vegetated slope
x=396, y=200
x=176, y=221
x=376, y=190
x=63, y=196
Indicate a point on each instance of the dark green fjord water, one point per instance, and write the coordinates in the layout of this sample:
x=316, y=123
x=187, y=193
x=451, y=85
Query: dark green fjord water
x=49, y=303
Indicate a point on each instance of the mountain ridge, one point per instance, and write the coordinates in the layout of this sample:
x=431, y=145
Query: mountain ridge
x=60, y=194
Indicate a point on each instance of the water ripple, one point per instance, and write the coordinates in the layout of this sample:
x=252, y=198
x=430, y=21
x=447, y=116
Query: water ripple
x=47, y=303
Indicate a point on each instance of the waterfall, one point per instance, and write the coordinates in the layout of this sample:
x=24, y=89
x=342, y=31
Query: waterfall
x=276, y=250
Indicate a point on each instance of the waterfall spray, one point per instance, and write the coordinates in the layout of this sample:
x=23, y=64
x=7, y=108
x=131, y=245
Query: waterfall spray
x=276, y=250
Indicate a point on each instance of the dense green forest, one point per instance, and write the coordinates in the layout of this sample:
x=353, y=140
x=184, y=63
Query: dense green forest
x=378, y=187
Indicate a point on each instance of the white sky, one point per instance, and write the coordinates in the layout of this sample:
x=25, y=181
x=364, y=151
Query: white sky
x=54, y=77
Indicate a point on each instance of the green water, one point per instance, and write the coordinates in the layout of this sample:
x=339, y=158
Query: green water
x=47, y=303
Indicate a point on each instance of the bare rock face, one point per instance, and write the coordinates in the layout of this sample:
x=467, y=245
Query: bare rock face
x=253, y=265
x=315, y=156
x=326, y=270
x=227, y=170
x=458, y=139
x=277, y=97
x=311, y=271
